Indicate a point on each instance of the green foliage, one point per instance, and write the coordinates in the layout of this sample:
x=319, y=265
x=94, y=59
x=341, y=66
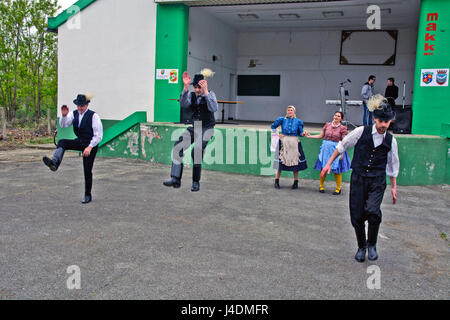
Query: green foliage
x=28, y=58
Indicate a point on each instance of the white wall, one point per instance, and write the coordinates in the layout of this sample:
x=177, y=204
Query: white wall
x=308, y=63
x=111, y=55
x=208, y=37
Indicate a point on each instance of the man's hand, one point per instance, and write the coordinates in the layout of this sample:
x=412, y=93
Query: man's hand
x=204, y=85
x=281, y=135
x=186, y=80
x=394, y=194
x=87, y=151
x=64, y=111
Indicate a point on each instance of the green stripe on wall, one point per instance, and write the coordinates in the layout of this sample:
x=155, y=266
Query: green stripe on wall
x=54, y=23
x=172, y=29
x=423, y=160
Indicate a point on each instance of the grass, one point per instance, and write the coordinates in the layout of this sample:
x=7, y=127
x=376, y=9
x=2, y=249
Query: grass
x=41, y=140
x=444, y=236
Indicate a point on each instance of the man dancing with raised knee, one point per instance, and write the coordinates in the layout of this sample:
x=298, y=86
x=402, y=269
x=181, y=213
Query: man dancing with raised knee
x=89, y=131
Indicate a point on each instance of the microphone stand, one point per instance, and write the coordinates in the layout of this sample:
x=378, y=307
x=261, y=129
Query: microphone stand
x=404, y=90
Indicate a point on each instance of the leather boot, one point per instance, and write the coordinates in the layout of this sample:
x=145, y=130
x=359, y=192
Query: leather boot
x=196, y=174
x=175, y=174
x=362, y=243
x=372, y=241
x=54, y=163
x=277, y=184
x=87, y=198
x=295, y=185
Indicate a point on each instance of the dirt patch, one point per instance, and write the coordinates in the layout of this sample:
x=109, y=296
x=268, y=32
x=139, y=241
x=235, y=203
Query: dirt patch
x=17, y=138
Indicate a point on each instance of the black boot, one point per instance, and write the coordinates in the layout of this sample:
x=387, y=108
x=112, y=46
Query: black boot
x=87, y=189
x=87, y=198
x=196, y=174
x=175, y=174
x=295, y=185
x=54, y=163
x=372, y=241
x=277, y=184
x=362, y=243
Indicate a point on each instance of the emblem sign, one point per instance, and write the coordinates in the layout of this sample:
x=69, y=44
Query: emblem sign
x=434, y=78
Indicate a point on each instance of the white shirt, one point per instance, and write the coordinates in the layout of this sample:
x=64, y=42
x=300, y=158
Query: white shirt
x=97, y=126
x=393, y=162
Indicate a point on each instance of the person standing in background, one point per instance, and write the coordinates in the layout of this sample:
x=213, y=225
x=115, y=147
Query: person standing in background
x=366, y=93
x=391, y=92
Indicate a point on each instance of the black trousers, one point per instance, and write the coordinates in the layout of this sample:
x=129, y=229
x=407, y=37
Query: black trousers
x=366, y=195
x=88, y=162
x=200, y=137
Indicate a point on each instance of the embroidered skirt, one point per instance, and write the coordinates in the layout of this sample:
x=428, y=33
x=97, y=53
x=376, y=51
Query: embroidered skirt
x=326, y=150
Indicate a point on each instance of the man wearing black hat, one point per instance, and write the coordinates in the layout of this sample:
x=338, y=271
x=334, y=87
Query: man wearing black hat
x=202, y=104
x=89, y=131
x=375, y=155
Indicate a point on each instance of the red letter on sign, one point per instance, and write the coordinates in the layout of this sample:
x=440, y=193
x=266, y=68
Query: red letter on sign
x=428, y=37
x=432, y=16
x=428, y=47
x=431, y=27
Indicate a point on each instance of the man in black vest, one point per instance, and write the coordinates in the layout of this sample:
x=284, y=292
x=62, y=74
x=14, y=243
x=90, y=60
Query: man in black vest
x=89, y=131
x=375, y=155
x=202, y=104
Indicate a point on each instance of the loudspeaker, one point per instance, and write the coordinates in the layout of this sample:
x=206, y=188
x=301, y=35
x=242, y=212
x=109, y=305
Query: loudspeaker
x=403, y=121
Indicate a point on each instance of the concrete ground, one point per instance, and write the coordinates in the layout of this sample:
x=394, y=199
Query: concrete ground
x=238, y=238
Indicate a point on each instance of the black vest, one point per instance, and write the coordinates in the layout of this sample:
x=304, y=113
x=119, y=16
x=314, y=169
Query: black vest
x=200, y=112
x=84, y=131
x=369, y=161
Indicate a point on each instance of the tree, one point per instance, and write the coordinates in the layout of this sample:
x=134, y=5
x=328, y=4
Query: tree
x=28, y=57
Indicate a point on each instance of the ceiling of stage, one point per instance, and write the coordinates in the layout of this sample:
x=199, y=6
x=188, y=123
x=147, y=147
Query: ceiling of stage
x=312, y=15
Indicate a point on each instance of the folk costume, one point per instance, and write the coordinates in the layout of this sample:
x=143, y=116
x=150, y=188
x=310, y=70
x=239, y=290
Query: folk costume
x=89, y=131
x=375, y=155
x=331, y=136
x=290, y=155
x=202, y=108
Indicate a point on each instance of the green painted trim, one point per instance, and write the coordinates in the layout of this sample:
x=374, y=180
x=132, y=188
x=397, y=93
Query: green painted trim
x=447, y=172
x=431, y=104
x=108, y=123
x=124, y=145
x=111, y=128
x=445, y=130
x=122, y=126
x=55, y=22
x=172, y=30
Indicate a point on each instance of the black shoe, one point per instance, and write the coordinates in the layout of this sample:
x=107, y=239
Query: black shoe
x=195, y=186
x=360, y=255
x=372, y=253
x=172, y=182
x=49, y=163
x=295, y=185
x=336, y=193
x=277, y=185
x=322, y=190
x=87, y=199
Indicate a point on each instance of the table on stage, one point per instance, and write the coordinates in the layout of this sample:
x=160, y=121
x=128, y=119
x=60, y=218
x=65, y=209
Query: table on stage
x=223, y=102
